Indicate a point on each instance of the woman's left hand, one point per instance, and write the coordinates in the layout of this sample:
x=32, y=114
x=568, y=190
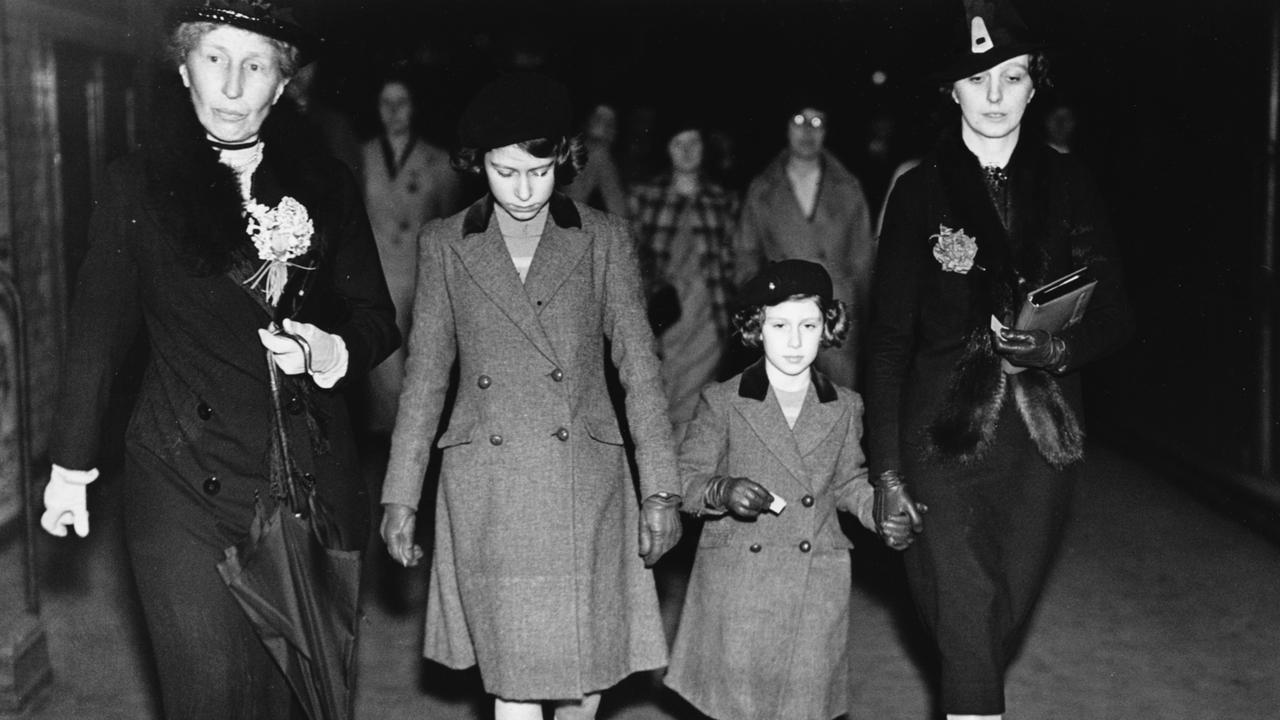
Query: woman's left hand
x=300, y=347
x=660, y=528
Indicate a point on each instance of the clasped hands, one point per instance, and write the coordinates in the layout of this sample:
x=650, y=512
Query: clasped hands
x=660, y=529
x=898, y=518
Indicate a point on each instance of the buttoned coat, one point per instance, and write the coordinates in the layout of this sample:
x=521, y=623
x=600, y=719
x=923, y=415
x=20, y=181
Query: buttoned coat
x=166, y=225
x=838, y=235
x=763, y=633
x=536, y=575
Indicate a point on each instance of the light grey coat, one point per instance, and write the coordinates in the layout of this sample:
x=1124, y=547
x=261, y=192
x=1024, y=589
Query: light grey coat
x=536, y=575
x=764, y=631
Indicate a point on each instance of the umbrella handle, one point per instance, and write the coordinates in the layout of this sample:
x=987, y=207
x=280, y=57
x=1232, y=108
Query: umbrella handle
x=287, y=483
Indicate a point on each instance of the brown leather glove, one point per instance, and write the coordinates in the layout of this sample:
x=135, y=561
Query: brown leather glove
x=893, y=507
x=660, y=527
x=1030, y=348
x=740, y=496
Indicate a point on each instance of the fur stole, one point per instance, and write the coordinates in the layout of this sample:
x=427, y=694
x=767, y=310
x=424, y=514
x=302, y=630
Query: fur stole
x=197, y=199
x=1011, y=258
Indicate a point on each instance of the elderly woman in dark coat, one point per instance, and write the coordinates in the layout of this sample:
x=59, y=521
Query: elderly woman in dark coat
x=538, y=573
x=226, y=221
x=988, y=214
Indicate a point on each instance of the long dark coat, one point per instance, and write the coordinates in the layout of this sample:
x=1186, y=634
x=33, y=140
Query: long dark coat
x=536, y=575
x=167, y=236
x=993, y=455
x=764, y=629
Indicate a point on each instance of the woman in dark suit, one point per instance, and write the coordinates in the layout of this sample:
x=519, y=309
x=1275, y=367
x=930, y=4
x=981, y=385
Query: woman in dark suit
x=228, y=222
x=538, y=574
x=990, y=213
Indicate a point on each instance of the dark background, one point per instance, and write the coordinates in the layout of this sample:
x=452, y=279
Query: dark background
x=1172, y=98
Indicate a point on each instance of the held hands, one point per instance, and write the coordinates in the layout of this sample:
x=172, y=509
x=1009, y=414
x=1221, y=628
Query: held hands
x=1030, y=348
x=659, y=526
x=398, y=522
x=299, y=347
x=740, y=496
x=64, y=501
x=897, y=516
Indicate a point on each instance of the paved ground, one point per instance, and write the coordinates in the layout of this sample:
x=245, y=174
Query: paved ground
x=1158, y=609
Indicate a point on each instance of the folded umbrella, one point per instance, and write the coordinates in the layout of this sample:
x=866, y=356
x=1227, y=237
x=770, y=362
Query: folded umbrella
x=298, y=584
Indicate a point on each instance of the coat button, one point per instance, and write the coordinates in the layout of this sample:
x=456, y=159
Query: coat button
x=562, y=434
x=755, y=547
x=557, y=375
x=805, y=546
x=483, y=382
x=294, y=405
x=212, y=485
x=807, y=501
x=203, y=411
x=495, y=439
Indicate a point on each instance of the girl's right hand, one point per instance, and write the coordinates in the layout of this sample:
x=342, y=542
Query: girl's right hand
x=743, y=497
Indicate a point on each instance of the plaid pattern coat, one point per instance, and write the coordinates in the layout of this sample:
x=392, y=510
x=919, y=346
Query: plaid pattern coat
x=655, y=210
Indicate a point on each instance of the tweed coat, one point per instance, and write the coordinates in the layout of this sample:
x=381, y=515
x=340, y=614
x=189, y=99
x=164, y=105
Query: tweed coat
x=838, y=236
x=536, y=575
x=763, y=633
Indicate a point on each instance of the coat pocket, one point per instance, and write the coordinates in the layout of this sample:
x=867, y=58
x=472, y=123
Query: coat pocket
x=604, y=430
x=459, y=433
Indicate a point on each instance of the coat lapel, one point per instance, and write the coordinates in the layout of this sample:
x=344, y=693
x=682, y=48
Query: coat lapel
x=559, y=252
x=486, y=258
x=816, y=422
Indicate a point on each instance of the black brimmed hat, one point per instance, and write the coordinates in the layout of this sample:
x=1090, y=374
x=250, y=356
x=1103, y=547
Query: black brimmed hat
x=515, y=108
x=992, y=33
x=281, y=20
x=784, y=279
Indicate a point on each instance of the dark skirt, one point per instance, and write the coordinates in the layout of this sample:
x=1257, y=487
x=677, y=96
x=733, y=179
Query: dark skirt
x=976, y=572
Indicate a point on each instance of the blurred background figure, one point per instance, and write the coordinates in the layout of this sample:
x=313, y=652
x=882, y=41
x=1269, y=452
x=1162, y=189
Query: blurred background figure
x=333, y=125
x=407, y=182
x=600, y=182
x=807, y=205
x=684, y=224
x=1060, y=125
x=641, y=156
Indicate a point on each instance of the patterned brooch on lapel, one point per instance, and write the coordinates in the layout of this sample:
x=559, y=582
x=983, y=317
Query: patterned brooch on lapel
x=280, y=234
x=954, y=250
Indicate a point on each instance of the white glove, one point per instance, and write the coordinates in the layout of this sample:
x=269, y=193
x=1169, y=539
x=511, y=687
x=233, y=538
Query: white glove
x=64, y=501
x=313, y=350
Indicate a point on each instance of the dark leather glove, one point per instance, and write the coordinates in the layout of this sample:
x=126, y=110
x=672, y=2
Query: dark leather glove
x=1030, y=348
x=659, y=526
x=892, y=501
x=740, y=496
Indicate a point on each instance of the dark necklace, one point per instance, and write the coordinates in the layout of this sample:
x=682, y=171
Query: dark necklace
x=395, y=165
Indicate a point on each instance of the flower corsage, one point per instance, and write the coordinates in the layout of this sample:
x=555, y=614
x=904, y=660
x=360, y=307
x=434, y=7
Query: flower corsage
x=954, y=250
x=280, y=234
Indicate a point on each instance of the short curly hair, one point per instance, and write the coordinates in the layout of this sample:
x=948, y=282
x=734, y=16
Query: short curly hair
x=570, y=153
x=748, y=322
x=186, y=36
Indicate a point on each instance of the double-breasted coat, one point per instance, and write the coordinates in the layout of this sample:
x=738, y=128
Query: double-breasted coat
x=763, y=633
x=838, y=235
x=536, y=575
x=198, y=438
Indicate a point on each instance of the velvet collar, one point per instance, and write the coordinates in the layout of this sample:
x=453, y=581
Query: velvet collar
x=754, y=383
x=563, y=213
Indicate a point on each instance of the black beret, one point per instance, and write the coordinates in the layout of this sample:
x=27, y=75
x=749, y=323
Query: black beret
x=284, y=21
x=515, y=108
x=781, y=280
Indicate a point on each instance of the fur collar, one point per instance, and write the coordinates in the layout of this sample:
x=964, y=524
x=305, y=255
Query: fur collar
x=197, y=199
x=1011, y=257
x=563, y=213
x=754, y=383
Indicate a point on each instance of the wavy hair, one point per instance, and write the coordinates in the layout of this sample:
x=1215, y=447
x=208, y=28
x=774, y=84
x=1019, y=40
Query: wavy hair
x=748, y=322
x=570, y=153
